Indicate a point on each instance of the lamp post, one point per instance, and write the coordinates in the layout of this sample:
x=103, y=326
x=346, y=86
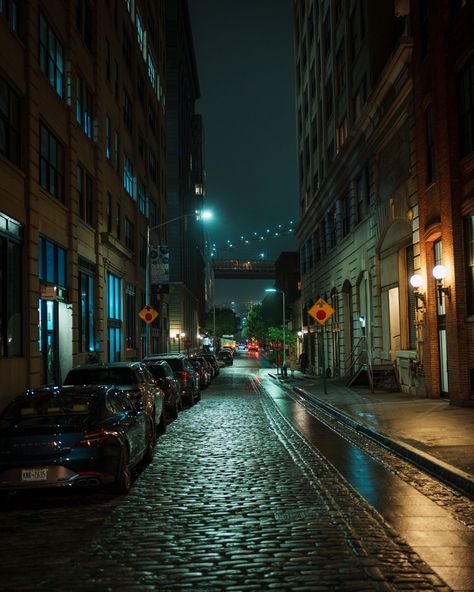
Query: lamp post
x=200, y=215
x=283, y=326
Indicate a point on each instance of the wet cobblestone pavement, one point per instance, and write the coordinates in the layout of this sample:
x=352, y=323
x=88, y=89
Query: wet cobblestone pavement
x=234, y=500
x=459, y=505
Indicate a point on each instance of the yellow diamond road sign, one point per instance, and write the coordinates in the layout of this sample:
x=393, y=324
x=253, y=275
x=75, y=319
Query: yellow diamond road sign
x=321, y=311
x=148, y=314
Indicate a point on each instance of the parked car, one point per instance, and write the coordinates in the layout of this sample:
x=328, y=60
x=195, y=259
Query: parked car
x=167, y=381
x=211, y=358
x=203, y=370
x=226, y=357
x=184, y=372
x=72, y=436
x=133, y=378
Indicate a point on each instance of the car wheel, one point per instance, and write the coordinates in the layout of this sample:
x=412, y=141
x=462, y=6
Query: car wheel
x=151, y=441
x=123, y=479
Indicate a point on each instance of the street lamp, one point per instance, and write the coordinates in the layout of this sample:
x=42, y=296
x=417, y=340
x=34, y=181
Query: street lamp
x=200, y=215
x=283, y=310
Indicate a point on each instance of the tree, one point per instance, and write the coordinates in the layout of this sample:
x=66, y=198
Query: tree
x=227, y=323
x=256, y=326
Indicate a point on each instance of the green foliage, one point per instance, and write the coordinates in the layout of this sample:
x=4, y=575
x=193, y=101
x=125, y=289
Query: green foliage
x=227, y=323
x=275, y=333
x=256, y=326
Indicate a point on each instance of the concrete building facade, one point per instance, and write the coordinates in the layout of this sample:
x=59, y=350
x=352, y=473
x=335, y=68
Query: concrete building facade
x=358, y=228
x=83, y=167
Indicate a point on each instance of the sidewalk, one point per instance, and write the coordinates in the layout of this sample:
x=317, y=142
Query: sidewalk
x=430, y=432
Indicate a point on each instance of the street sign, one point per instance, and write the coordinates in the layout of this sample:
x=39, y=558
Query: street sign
x=148, y=314
x=321, y=311
x=187, y=343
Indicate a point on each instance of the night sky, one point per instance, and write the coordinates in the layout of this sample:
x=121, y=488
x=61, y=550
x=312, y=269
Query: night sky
x=244, y=53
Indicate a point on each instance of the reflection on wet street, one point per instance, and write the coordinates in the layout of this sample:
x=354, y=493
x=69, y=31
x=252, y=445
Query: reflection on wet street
x=443, y=542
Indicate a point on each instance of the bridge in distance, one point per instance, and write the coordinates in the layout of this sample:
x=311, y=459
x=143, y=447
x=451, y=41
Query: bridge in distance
x=245, y=269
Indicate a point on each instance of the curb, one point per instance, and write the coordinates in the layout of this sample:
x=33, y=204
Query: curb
x=438, y=468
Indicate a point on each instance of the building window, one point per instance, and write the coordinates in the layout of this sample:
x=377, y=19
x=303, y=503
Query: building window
x=86, y=308
x=152, y=118
x=317, y=245
x=9, y=123
x=129, y=232
x=128, y=178
x=109, y=212
x=118, y=222
x=108, y=141
x=430, y=147
x=84, y=106
x=52, y=263
x=341, y=134
x=117, y=152
x=85, y=195
x=151, y=71
x=332, y=223
x=9, y=11
x=51, y=164
x=11, y=320
x=141, y=193
x=153, y=166
x=469, y=241
x=140, y=32
x=345, y=215
x=152, y=213
x=84, y=22
x=466, y=108
x=130, y=317
x=50, y=55
x=114, y=316
x=127, y=111
x=359, y=198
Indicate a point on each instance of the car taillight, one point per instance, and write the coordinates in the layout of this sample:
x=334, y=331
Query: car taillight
x=184, y=376
x=94, y=437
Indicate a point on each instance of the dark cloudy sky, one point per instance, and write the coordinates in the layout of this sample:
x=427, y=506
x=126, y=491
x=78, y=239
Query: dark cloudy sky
x=244, y=53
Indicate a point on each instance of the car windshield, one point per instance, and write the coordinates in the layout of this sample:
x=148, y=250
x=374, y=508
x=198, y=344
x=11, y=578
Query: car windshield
x=49, y=405
x=114, y=376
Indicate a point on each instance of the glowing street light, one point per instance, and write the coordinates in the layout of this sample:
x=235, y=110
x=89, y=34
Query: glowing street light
x=199, y=215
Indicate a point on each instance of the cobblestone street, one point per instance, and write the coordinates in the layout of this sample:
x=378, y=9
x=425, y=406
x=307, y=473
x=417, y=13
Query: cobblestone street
x=234, y=500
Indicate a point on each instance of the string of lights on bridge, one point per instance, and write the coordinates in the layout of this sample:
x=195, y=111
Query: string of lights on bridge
x=254, y=237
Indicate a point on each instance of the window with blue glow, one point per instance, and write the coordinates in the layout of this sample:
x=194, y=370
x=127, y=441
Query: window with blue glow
x=50, y=55
x=52, y=263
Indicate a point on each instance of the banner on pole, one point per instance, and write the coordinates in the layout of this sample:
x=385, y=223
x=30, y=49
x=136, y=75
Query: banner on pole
x=159, y=264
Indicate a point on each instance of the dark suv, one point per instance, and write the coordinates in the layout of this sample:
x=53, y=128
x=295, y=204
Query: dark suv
x=183, y=371
x=132, y=378
x=166, y=380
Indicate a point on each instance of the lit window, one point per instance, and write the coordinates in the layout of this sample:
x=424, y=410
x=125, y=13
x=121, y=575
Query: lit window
x=50, y=55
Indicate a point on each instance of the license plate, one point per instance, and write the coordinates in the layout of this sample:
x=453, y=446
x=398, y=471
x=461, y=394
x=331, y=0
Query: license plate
x=34, y=474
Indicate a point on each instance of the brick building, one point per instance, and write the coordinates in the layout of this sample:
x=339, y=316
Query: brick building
x=443, y=75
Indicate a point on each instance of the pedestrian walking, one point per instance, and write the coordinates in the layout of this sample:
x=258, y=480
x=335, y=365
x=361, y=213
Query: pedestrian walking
x=292, y=362
x=304, y=362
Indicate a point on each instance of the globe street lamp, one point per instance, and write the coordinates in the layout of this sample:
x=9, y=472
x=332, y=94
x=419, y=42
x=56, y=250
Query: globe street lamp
x=200, y=215
x=283, y=310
